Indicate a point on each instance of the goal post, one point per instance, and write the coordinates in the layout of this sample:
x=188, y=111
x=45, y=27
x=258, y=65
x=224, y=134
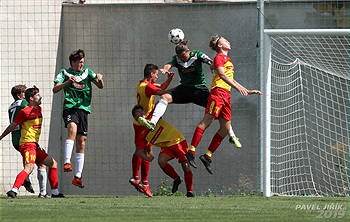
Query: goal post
x=305, y=127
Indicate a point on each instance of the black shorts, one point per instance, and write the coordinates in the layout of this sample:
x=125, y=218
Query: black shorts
x=183, y=94
x=77, y=116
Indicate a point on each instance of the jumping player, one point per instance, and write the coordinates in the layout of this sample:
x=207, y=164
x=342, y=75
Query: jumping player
x=219, y=101
x=173, y=146
x=30, y=119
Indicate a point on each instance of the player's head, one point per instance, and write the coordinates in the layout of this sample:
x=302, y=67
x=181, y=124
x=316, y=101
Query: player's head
x=76, y=60
x=137, y=111
x=182, y=51
x=33, y=96
x=218, y=43
x=17, y=92
x=151, y=72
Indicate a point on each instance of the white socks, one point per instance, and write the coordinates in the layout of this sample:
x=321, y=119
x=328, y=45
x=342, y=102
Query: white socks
x=42, y=178
x=79, y=164
x=68, y=149
x=231, y=133
x=159, y=110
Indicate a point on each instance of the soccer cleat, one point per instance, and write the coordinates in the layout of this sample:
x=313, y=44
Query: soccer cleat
x=190, y=159
x=145, y=189
x=135, y=183
x=206, y=163
x=235, y=141
x=28, y=185
x=11, y=194
x=78, y=182
x=44, y=196
x=144, y=122
x=176, y=184
x=67, y=167
x=60, y=195
x=189, y=194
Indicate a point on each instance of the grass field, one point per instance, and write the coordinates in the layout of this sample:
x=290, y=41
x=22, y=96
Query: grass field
x=174, y=208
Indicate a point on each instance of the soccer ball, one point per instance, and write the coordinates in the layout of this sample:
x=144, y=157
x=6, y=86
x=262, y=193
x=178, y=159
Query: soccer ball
x=176, y=35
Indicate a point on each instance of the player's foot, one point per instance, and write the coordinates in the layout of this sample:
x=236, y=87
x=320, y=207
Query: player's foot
x=11, y=194
x=60, y=195
x=190, y=159
x=189, y=194
x=145, y=189
x=206, y=161
x=78, y=182
x=44, y=195
x=28, y=185
x=144, y=122
x=135, y=183
x=235, y=141
x=176, y=184
x=67, y=167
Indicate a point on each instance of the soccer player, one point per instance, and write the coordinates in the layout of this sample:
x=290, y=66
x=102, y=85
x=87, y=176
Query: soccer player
x=192, y=88
x=18, y=94
x=146, y=89
x=219, y=101
x=76, y=84
x=30, y=119
x=172, y=144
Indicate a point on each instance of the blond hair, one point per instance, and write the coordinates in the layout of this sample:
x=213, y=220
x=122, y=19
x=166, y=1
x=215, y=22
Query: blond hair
x=213, y=43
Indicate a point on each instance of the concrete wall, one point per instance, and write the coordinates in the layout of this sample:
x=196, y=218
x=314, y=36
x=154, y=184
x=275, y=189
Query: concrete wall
x=37, y=38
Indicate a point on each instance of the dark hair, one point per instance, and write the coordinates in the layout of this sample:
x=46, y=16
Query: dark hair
x=149, y=68
x=17, y=89
x=76, y=55
x=136, y=107
x=181, y=47
x=30, y=92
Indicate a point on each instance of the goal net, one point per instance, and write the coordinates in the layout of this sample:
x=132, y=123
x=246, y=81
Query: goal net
x=308, y=106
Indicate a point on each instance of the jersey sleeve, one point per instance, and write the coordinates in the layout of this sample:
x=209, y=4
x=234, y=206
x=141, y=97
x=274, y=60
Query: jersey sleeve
x=151, y=89
x=219, y=61
x=59, y=77
x=204, y=58
x=20, y=118
x=173, y=61
x=92, y=74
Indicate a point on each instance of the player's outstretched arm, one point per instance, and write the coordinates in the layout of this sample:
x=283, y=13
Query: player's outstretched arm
x=8, y=130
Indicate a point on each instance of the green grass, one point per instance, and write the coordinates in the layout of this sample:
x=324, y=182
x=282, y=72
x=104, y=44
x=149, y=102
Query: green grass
x=172, y=208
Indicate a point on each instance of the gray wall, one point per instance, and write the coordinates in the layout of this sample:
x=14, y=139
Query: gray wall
x=119, y=40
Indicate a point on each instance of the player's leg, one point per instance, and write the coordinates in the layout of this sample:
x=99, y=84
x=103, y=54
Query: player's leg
x=79, y=160
x=164, y=157
x=196, y=138
x=42, y=179
x=215, y=143
x=188, y=175
x=82, y=130
x=27, y=150
x=200, y=97
x=21, y=176
x=135, y=167
x=51, y=163
x=70, y=119
x=145, y=167
x=27, y=184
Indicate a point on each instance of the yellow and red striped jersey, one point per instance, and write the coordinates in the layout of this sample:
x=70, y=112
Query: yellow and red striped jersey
x=222, y=60
x=30, y=119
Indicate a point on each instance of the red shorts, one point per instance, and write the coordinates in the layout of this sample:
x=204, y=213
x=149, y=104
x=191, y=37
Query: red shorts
x=177, y=151
x=219, y=104
x=32, y=153
x=140, y=135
